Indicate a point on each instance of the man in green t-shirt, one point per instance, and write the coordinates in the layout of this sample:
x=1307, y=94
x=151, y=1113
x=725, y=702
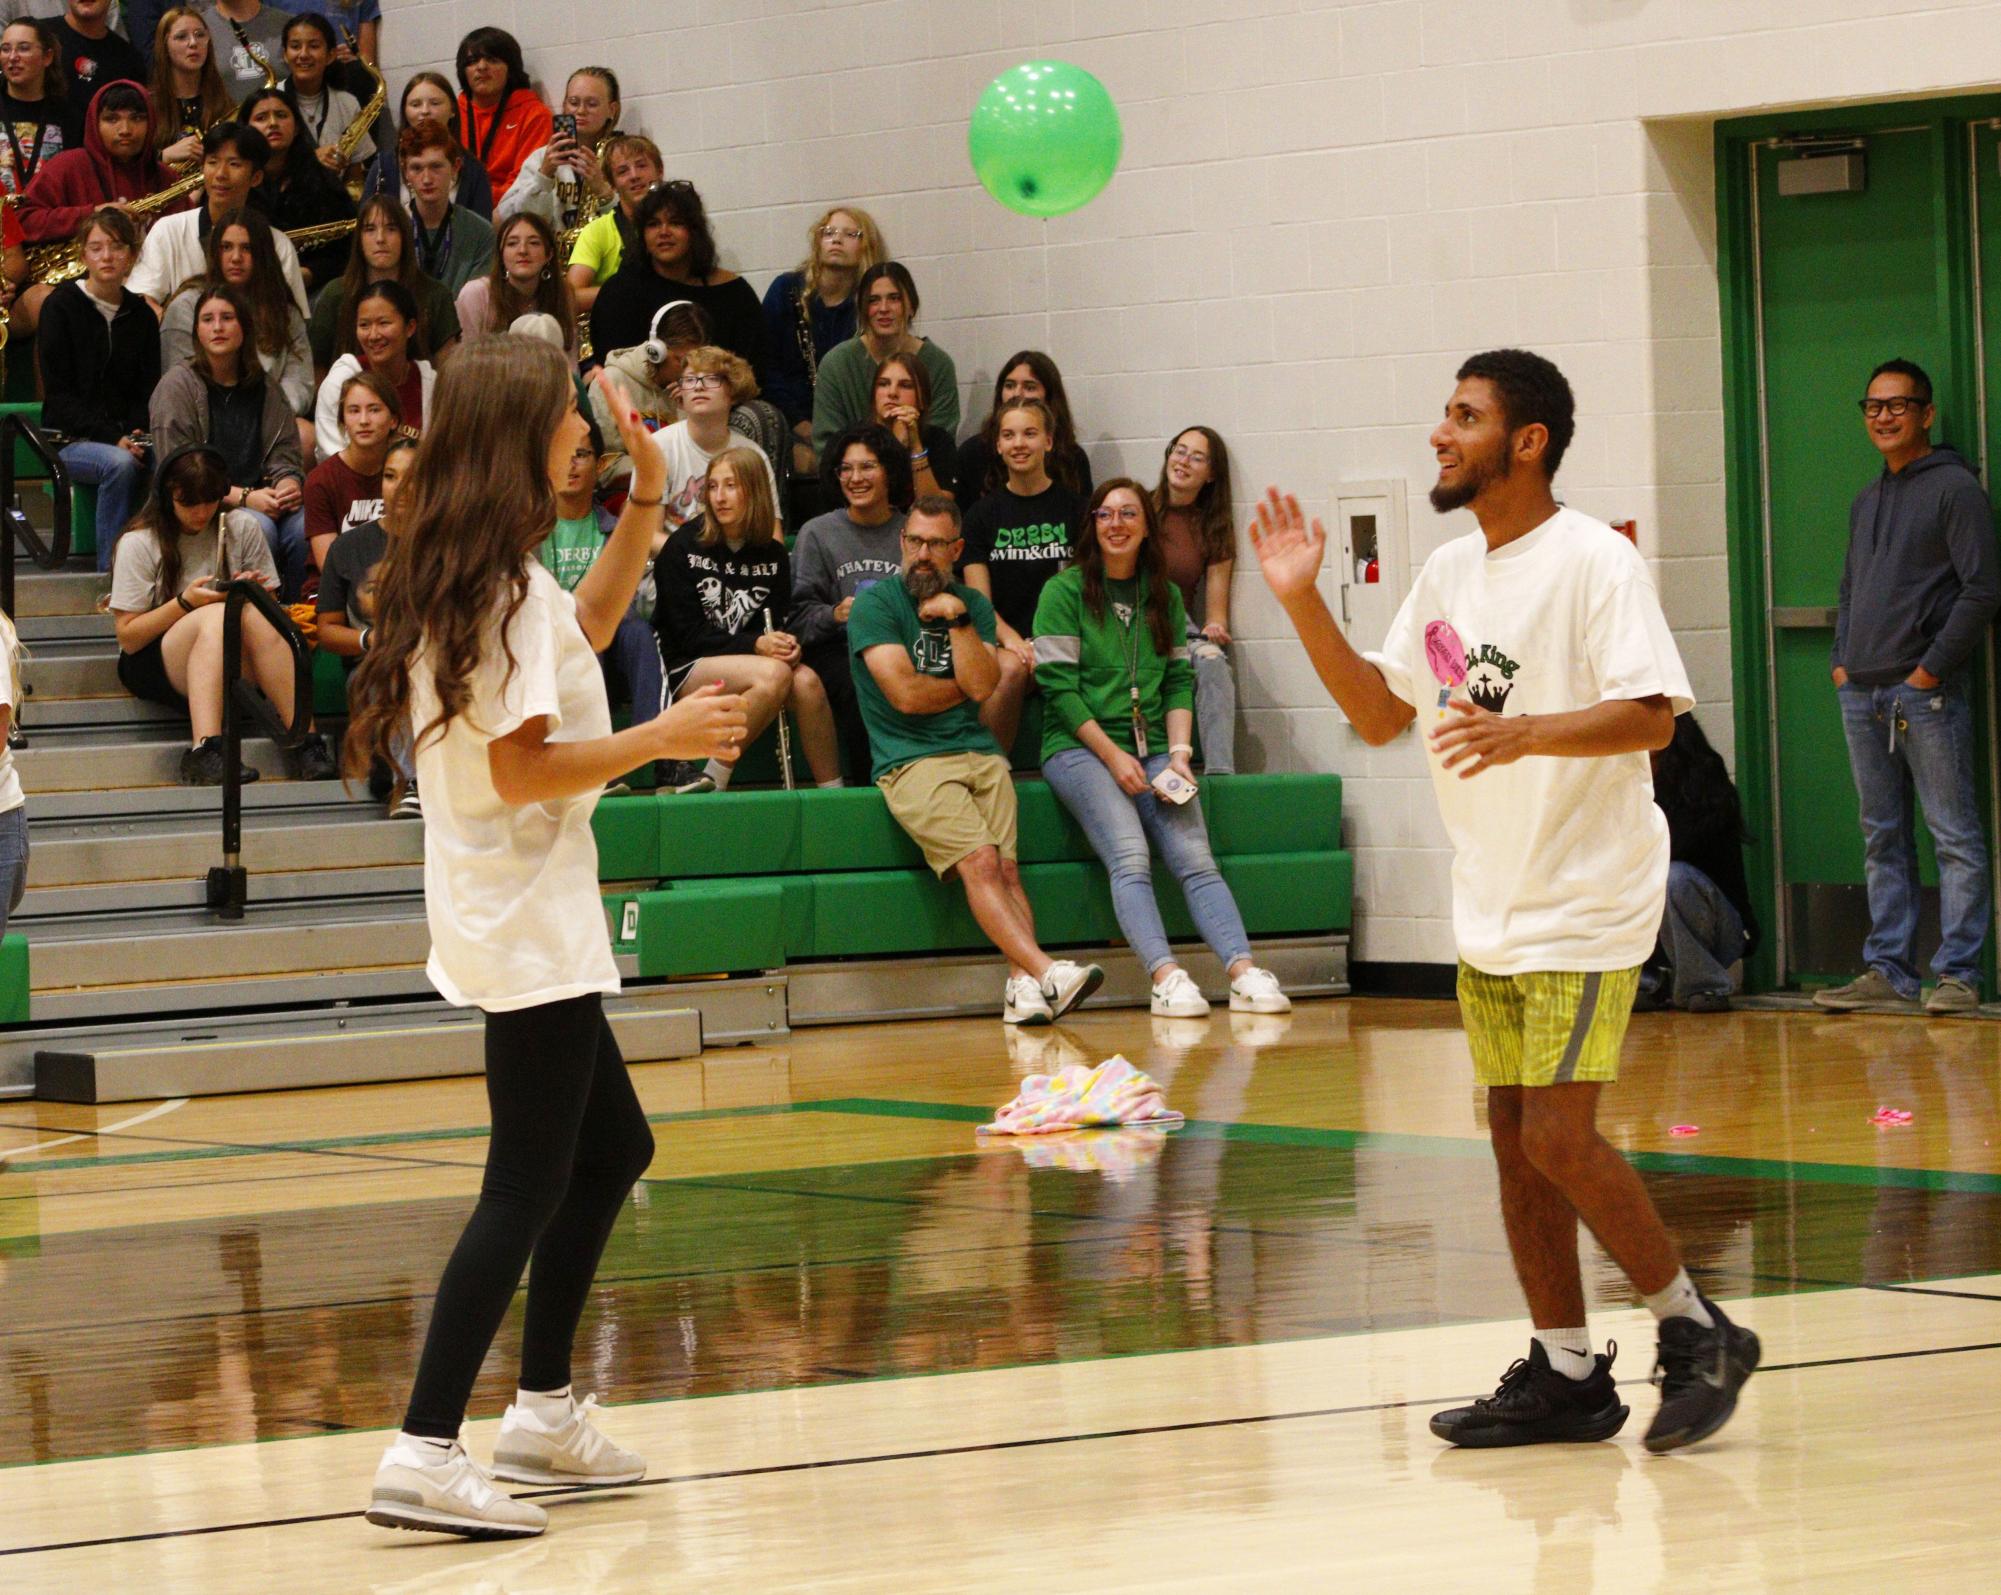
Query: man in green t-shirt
x=928, y=647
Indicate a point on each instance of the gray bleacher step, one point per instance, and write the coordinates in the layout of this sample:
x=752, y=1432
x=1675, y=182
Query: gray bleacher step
x=302, y=798
x=67, y=674
x=49, y=629
x=174, y=848
x=63, y=592
x=48, y=905
x=47, y=716
x=146, y=950
x=147, y=756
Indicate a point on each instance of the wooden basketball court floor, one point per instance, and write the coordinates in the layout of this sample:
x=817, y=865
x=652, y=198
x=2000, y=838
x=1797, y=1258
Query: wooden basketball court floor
x=864, y=1353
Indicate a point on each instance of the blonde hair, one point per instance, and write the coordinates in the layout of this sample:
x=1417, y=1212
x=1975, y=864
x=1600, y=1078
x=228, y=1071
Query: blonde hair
x=711, y=361
x=760, y=509
x=874, y=250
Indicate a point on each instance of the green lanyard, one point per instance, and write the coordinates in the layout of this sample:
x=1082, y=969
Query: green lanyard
x=1132, y=664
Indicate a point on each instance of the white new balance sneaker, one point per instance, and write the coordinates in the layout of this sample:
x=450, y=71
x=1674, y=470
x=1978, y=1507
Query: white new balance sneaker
x=1066, y=984
x=1178, y=997
x=573, y=1453
x=450, y=1496
x=1022, y=1003
x=1256, y=991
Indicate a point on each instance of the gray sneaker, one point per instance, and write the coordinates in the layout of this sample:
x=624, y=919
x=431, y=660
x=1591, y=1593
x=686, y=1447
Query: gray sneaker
x=1867, y=993
x=1953, y=999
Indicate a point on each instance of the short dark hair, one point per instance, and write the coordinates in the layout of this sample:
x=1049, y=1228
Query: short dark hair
x=123, y=95
x=313, y=20
x=1532, y=392
x=241, y=137
x=879, y=441
x=943, y=507
x=1921, y=382
x=492, y=44
x=682, y=201
x=896, y=272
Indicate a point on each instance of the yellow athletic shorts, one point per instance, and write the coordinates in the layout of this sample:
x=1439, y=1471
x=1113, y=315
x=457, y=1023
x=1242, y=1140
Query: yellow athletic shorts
x=1546, y=1028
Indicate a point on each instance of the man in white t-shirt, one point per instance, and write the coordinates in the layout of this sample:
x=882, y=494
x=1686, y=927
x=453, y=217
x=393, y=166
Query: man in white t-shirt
x=1535, y=659
x=176, y=247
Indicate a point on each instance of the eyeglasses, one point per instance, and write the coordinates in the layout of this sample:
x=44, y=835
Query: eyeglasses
x=1188, y=456
x=929, y=545
x=852, y=234
x=1891, y=407
x=867, y=469
x=1125, y=514
x=695, y=381
x=36, y=49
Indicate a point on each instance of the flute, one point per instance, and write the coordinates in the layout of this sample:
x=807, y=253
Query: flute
x=784, y=730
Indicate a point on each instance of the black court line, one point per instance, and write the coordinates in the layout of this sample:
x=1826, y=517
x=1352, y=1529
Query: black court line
x=876, y=1458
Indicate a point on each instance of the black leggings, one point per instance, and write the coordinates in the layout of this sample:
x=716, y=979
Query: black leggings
x=569, y=1141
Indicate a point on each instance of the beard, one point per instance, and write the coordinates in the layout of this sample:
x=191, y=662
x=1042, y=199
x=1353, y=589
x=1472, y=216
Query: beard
x=1474, y=477
x=923, y=583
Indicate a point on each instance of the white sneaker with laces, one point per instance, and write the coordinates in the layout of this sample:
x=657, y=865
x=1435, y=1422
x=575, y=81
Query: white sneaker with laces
x=1067, y=984
x=1178, y=997
x=1257, y=991
x=1023, y=1003
x=574, y=1453
x=449, y=1496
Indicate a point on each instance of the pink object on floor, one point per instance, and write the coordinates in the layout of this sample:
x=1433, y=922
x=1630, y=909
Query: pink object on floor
x=1884, y=1118
x=1686, y=1129
x=1077, y=1098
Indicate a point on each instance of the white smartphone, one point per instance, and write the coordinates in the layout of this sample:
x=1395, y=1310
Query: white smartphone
x=1173, y=786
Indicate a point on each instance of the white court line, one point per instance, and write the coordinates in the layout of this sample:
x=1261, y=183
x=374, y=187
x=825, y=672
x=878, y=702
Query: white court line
x=110, y=1129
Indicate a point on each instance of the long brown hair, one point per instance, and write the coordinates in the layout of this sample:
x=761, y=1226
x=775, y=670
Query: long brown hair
x=1155, y=586
x=477, y=502
x=193, y=475
x=920, y=379
x=355, y=278
x=216, y=105
x=270, y=300
x=753, y=479
x=249, y=369
x=552, y=296
x=1063, y=435
x=1213, y=509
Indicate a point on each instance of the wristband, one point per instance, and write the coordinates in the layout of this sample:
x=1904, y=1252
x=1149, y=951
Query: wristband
x=182, y=600
x=963, y=618
x=920, y=456
x=1181, y=747
x=645, y=503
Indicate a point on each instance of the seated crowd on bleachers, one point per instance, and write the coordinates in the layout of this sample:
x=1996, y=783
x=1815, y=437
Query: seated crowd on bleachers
x=252, y=281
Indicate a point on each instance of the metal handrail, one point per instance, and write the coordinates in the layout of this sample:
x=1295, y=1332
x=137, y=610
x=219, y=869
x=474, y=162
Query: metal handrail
x=229, y=884
x=54, y=554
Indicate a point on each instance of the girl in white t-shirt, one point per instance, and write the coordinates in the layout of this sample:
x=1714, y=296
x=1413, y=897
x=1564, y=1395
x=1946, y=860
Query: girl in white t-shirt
x=13, y=803
x=494, y=666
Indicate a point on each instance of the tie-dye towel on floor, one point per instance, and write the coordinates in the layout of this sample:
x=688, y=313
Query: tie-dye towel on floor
x=1077, y=1098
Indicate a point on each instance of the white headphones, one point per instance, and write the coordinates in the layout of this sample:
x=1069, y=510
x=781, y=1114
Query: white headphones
x=653, y=349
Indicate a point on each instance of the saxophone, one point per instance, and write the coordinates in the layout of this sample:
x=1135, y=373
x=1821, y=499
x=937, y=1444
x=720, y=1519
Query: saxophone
x=350, y=140
x=589, y=208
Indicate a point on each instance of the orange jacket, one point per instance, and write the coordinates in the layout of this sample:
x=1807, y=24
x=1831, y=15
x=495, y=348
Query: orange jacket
x=525, y=126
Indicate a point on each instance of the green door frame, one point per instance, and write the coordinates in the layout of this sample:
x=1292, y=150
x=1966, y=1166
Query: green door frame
x=1743, y=418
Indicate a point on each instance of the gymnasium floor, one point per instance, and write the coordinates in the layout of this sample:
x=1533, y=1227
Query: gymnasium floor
x=863, y=1353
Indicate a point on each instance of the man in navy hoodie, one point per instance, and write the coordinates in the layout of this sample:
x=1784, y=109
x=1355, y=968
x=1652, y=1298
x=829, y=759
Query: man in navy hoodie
x=1920, y=587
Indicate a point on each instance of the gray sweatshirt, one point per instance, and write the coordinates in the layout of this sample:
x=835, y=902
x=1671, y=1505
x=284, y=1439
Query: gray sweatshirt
x=835, y=559
x=1922, y=581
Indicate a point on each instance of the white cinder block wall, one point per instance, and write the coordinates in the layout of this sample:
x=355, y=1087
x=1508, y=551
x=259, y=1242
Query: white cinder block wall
x=1322, y=207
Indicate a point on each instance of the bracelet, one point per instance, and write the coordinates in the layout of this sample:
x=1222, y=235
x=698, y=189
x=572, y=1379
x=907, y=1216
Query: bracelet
x=645, y=503
x=366, y=633
x=920, y=456
x=182, y=600
x=1181, y=747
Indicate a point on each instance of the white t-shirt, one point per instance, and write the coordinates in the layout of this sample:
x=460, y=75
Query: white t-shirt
x=1559, y=863
x=511, y=892
x=11, y=795
x=173, y=254
x=688, y=469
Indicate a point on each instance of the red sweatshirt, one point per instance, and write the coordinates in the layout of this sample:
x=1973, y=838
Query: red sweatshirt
x=75, y=183
x=525, y=126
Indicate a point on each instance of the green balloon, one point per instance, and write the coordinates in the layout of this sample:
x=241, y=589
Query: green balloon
x=1045, y=138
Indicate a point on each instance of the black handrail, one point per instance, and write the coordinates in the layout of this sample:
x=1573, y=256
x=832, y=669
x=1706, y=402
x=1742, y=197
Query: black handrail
x=54, y=554
x=229, y=885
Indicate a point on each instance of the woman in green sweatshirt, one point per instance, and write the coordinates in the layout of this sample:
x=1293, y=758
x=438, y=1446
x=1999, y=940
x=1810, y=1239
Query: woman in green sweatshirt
x=1112, y=661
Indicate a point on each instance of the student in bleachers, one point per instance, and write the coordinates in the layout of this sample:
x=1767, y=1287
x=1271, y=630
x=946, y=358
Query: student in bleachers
x=452, y=244
x=926, y=651
x=234, y=156
x=428, y=101
x=724, y=585
x=840, y=555
x=1029, y=374
x=651, y=377
x=524, y=278
x=298, y=191
x=13, y=802
x=677, y=260
x=93, y=54
x=99, y=349
x=902, y=403
x=503, y=117
x=712, y=381
x=219, y=397
x=383, y=251
x=563, y=182
x=1198, y=546
x=188, y=94
x=249, y=43
x=389, y=340
x=358, y=22
x=167, y=574
x=632, y=162
x=241, y=253
x=345, y=489
x=809, y=312
x=1017, y=538
x=1112, y=658
x=325, y=112
x=38, y=119
x=886, y=300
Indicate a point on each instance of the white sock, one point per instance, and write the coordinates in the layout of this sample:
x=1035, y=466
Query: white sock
x=1678, y=1299
x=827, y=786
x=1568, y=1350
x=429, y=1447
x=550, y=1408
x=719, y=772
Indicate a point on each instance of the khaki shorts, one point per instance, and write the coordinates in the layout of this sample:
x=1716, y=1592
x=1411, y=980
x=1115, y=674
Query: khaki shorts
x=1546, y=1028
x=954, y=804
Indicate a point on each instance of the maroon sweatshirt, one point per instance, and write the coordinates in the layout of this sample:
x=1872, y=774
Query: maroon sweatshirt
x=75, y=183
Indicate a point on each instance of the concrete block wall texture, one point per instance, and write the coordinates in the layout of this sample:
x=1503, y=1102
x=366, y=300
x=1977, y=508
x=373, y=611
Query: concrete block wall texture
x=1321, y=209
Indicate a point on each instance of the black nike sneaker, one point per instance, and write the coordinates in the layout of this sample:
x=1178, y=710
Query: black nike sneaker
x=1536, y=1405
x=1700, y=1370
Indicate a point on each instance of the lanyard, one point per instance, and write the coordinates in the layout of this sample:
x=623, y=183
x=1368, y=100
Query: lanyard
x=492, y=133
x=25, y=165
x=1131, y=631
x=317, y=128
x=432, y=248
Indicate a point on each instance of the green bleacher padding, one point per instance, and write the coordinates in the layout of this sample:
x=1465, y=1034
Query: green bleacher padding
x=712, y=928
x=1028, y=741
x=851, y=829
x=1293, y=894
x=730, y=833
x=83, y=518
x=1262, y=813
x=856, y=913
x=1045, y=833
x=628, y=838
x=14, y=979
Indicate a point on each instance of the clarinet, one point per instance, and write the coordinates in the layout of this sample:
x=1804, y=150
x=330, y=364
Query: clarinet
x=784, y=730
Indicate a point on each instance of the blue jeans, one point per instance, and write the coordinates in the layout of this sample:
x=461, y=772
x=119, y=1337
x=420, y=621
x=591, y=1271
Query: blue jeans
x=1120, y=828
x=1904, y=741
x=13, y=861
x=289, y=550
x=1215, y=703
x=634, y=657
x=1702, y=935
x=117, y=476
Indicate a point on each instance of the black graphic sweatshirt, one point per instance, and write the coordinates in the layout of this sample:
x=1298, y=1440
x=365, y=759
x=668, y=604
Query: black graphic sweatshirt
x=713, y=600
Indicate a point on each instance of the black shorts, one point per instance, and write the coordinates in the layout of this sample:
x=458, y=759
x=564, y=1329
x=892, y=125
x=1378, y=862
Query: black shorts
x=144, y=675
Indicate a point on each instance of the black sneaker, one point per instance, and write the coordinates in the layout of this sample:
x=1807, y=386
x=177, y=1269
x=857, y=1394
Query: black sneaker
x=202, y=765
x=312, y=762
x=1700, y=1370
x=1536, y=1405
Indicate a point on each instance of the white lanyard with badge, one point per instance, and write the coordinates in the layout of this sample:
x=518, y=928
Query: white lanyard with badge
x=1170, y=784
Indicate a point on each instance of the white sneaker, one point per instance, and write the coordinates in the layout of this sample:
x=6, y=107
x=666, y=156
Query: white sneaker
x=453, y=1496
x=1067, y=984
x=575, y=1453
x=1256, y=991
x=1022, y=1003
x=1178, y=997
